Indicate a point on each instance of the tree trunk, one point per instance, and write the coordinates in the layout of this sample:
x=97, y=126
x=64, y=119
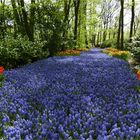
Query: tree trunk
x=76, y=9
x=18, y=18
x=120, y=38
x=119, y=32
x=104, y=32
x=85, y=25
x=132, y=20
x=67, y=6
x=26, y=23
x=122, y=24
x=32, y=19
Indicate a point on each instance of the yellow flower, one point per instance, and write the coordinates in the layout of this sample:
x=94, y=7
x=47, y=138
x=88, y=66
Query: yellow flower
x=138, y=72
x=69, y=52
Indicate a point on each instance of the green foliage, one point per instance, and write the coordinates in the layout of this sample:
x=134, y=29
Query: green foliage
x=137, y=88
x=52, y=26
x=134, y=47
x=108, y=43
x=68, y=43
x=20, y=51
x=1, y=77
x=5, y=19
x=1, y=80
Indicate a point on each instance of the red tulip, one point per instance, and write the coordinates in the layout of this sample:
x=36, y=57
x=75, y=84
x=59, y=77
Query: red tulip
x=138, y=75
x=1, y=69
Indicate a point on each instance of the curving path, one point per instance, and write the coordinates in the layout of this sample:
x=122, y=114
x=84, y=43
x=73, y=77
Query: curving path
x=86, y=97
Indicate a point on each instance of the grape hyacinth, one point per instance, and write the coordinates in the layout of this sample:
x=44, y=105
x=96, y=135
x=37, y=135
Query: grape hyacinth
x=86, y=97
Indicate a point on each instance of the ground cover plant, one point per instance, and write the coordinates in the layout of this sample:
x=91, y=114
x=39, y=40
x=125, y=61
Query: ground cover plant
x=50, y=94
x=91, y=96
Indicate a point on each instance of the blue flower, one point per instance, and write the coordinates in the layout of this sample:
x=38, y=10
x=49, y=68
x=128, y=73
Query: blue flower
x=90, y=96
x=5, y=118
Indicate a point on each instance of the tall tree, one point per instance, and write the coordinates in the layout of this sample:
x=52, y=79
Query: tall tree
x=85, y=25
x=109, y=9
x=67, y=7
x=25, y=23
x=136, y=24
x=76, y=11
x=119, y=31
x=132, y=19
x=32, y=19
x=2, y=19
x=120, y=38
x=18, y=18
x=122, y=24
x=28, y=27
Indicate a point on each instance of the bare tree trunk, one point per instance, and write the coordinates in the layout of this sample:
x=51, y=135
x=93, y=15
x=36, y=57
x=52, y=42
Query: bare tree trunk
x=120, y=39
x=136, y=25
x=114, y=32
x=76, y=9
x=98, y=39
x=132, y=20
x=18, y=18
x=85, y=25
x=26, y=23
x=32, y=19
x=104, y=32
x=119, y=32
x=67, y=6
x=122, y=24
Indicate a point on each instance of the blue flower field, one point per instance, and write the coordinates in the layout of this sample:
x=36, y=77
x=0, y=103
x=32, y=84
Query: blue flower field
x=86, y=97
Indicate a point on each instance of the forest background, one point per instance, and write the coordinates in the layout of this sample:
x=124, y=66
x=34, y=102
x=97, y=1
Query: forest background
x=35, y=29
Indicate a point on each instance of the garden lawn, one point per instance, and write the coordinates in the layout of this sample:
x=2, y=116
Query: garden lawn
x=86, y=97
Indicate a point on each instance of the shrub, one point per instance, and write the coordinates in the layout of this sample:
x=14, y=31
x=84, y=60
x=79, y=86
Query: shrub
x=136, y=53
x=68, y=43
x=134, y=47
x=20, y=51
x=52, y=27
x=108, y=43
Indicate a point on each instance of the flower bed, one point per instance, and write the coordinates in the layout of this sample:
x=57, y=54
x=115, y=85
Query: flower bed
x=71, y=52
x=125, y=55
x=138, y=74
x=91, y=96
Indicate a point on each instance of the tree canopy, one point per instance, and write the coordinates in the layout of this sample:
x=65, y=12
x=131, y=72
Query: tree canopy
x=69, y=24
